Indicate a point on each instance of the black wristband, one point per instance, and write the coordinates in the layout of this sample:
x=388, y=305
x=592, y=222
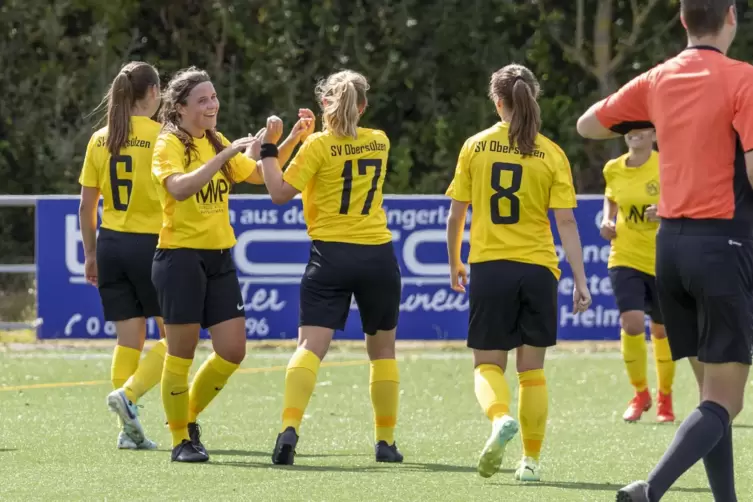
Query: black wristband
x=269, y=150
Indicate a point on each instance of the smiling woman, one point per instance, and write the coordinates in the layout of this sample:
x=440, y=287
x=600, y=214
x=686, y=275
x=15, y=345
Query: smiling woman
x=195, y=167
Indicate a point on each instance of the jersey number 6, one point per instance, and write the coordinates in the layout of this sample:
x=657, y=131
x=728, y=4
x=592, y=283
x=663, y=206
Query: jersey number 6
x=347, y=174
x=508, y=193
x=116, y=183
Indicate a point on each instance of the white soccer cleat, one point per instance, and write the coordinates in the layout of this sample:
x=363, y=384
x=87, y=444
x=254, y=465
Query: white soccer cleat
x=128, y=413
x=503, y=430
x=528, y=470
x=126, y=443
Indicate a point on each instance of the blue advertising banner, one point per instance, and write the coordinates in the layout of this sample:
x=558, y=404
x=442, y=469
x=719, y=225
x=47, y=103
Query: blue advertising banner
x=271, y=254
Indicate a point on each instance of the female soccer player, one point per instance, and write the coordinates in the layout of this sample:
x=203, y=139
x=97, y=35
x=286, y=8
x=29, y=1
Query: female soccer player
x=340, y=172
x=193, y=270
x=512, y=175
x=632, y=193
x=119, y=261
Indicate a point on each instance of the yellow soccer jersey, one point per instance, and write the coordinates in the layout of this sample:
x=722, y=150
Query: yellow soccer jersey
x=340, y=180
x=633, y=189
x=203, y=220
x=511, y=195
x=125, y=182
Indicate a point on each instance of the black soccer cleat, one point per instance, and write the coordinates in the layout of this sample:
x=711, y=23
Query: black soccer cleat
x=194, y=432
x=387, y=453
x=638, y=491
x=284, y=452
x=186, y=451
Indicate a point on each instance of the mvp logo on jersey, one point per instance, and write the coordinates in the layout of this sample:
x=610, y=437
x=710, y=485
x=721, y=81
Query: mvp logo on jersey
x=213, y=192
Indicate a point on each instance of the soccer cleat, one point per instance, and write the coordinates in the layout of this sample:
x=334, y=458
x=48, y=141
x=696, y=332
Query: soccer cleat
x=194, y=432
x=387, y=453
x=126, y=443
x=664, y=412
x=640, y=403
x=128, y=413
x=636, y=491
x=503, y=430
x=186, y=451
x=528, y=470
x=284, y=452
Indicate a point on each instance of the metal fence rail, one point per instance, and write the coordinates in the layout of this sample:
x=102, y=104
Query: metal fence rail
x=25, y=268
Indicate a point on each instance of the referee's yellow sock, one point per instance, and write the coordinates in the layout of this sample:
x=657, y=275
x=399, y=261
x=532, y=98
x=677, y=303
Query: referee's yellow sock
x=175, y=396
x=492, y=391
x=148, y=374
x=300, y=379
x=384, y=388
x=533, y=411
x=208, y=382
x=125, y=360
x=635, y=355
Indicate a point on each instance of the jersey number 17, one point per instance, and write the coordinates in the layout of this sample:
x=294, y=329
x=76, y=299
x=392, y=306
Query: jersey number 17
x=347, y=174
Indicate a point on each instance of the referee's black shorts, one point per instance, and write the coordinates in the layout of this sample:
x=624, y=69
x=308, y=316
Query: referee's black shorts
x=511, y=304
x=337, y=272
x=704, y=272
x=124, y=268
x=635, y=290
x=197, y=286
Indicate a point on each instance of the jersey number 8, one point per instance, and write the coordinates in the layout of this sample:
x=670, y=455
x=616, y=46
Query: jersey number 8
x=508, y=193
x=116, y=183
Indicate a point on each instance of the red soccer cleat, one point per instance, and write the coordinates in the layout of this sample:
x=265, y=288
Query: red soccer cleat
x=664, y=412
x=640, y=403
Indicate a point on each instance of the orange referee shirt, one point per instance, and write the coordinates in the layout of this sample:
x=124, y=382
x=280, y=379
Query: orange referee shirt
x=701, y=104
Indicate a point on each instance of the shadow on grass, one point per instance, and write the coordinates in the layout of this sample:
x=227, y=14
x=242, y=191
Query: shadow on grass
x=3, y=450
x=382, y=467
x=252, y=453
x=607, y=487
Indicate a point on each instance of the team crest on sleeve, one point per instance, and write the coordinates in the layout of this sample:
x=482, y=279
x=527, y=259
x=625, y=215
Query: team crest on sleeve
x=652, y=187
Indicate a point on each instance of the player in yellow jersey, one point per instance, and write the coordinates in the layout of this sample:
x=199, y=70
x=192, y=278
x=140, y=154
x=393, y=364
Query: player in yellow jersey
x=340, y=172
x=632, y=193
x=195, y=167
x=119, y=261
x=512, y=176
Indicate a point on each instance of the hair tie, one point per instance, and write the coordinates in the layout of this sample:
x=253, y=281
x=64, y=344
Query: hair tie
x=519, y=77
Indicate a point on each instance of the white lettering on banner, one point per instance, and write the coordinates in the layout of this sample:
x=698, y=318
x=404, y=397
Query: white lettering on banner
x=596, y=317
x=410, y=257
x=257, y=327
x=249, y=268
x=596, y=285
x=293, y=216
x=259, y=217
x=407, y=219
x=94, y=326
x=72, y=240
x=591, y=253
x=262, y=300
x=441, y=300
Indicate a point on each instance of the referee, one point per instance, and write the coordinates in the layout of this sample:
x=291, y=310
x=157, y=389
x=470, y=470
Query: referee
x=701, y=103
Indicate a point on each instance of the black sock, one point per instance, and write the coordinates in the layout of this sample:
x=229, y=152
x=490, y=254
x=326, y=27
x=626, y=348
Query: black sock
x=720, y=470
x=695, y=438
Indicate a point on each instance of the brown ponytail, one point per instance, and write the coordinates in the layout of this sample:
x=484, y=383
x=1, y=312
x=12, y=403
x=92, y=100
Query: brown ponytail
x=176, y=93
x=129, y=86
x=518, y=90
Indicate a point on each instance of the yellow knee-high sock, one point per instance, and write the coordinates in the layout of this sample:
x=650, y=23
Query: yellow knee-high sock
x=125, y=360
x=665, y=366
x=175, y=396
x=492, y=391
x=208, y=382
x=148, y=374
x=635, y=354
x=300, y=379
x=384, y=388
x=533, y=410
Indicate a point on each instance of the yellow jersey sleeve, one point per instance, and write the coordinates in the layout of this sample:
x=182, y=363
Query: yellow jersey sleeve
x=304, y=166
x=461, y=187
x=609, y=189
x=89, y=173
x=169, y=157
x=562, y=195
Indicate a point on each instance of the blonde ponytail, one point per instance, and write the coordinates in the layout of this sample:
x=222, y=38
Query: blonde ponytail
x=342, y=97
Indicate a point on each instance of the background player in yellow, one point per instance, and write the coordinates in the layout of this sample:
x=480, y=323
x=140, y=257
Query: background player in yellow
x=512, y=175
x=631, y=196
x=340, y=172
x=193, y=271
x=119, y=260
